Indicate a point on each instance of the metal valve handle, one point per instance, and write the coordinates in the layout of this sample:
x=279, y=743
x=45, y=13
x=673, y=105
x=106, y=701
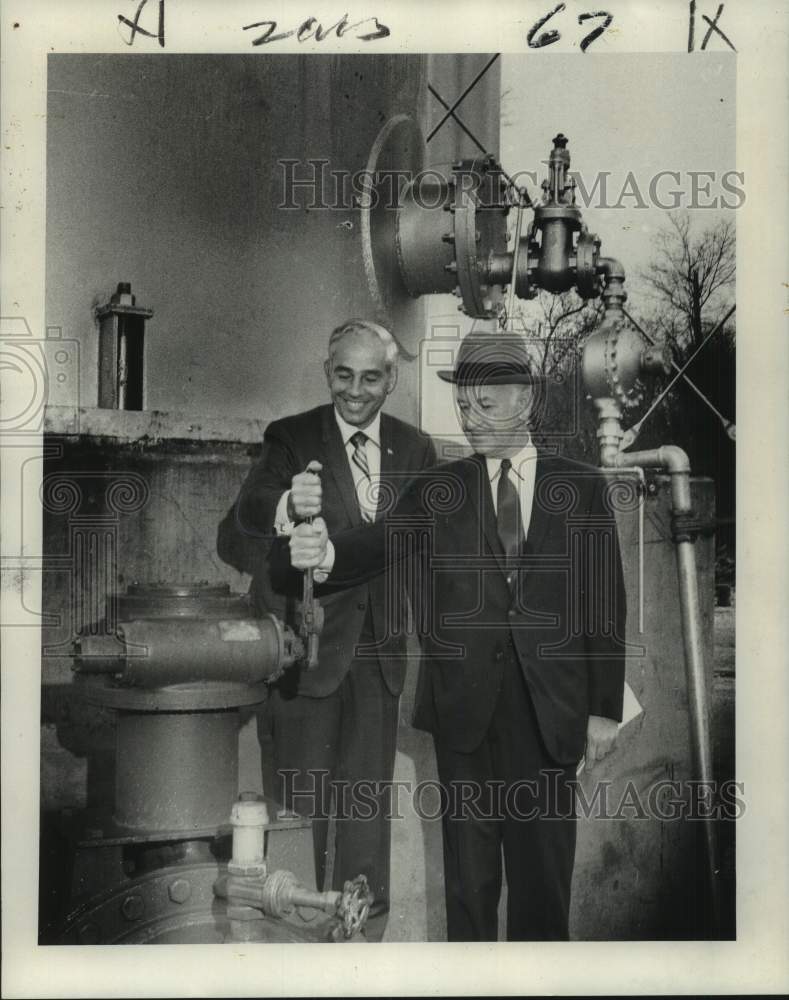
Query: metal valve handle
x=354, y=905
x=311, y=619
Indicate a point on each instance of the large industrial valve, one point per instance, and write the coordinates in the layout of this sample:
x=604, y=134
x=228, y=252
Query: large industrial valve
x=615, y=363
x=447, y=232
x=176, y=665
x=188, y=659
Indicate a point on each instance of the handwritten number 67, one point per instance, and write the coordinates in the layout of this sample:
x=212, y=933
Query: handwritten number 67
x=552, y=35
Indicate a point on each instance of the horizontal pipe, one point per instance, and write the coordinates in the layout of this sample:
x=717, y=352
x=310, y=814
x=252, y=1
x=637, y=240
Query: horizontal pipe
x=160, y=652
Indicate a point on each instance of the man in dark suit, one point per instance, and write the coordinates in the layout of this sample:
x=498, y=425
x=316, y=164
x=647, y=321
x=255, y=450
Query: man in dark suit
x=336, y=726
x=523, y=652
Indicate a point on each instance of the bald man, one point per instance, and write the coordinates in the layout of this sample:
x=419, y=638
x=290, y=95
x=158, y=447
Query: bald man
x=334, y=729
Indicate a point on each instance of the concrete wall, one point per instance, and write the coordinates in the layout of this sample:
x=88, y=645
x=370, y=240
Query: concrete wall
x=163, y=171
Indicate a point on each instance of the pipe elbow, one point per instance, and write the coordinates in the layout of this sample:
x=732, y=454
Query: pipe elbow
x=609, y=455
x=610, y=268
x=674, y=459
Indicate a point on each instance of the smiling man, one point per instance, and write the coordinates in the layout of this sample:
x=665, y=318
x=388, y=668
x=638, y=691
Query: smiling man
x=523, y=611
x=334, y=729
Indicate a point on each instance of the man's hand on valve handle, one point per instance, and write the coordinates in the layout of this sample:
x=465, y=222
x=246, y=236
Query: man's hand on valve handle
x=306, y=493
x=308, y=544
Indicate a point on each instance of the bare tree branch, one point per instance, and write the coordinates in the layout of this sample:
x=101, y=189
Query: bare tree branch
x=691, y=277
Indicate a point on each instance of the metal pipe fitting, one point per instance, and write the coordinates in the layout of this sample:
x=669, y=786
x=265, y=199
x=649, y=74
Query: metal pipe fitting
x=277, y=894
x=614, y=295
x=609, y=430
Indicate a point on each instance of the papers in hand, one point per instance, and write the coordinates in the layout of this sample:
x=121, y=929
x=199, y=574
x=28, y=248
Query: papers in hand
x=630, y=710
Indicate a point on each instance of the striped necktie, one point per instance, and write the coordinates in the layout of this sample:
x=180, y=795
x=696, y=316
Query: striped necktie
x=359, y=459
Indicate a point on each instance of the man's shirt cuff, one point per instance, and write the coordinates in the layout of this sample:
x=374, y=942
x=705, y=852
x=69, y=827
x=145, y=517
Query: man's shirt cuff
x=282, y=522
x=322, y=572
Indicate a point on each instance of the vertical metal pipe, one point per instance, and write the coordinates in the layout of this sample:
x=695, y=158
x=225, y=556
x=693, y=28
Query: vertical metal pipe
x=175, y=770
x=695, y=672
x=515, y=252
x=676, y=462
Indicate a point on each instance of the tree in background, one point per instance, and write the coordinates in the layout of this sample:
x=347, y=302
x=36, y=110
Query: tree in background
x=691, y=279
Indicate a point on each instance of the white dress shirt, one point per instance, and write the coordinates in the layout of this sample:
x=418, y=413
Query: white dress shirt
x=522, y=476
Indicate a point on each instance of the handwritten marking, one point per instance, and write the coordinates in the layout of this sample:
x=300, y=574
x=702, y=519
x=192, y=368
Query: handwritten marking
x=459, y=100
x=713, y=27
x=135, y=28
x=548, y=37
x=553, y=34
x=312, y=27
x=596, y=32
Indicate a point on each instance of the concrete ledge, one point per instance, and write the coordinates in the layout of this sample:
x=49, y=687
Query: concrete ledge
x=150, y=426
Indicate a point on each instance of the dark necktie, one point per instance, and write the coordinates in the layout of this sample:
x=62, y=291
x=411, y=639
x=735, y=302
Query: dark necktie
x=508, y=512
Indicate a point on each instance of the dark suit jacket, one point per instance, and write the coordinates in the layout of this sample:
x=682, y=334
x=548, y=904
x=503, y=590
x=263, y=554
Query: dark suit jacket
x=567, y=621
x=246, y=534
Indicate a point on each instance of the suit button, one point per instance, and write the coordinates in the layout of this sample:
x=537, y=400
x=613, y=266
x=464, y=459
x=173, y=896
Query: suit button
x=499, y=656
x=511, y=612
x=361, y=606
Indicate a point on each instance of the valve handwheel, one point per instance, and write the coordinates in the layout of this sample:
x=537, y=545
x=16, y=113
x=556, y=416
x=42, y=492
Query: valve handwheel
x=354, y=905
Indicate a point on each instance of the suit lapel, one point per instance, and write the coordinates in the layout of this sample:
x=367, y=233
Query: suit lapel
x=541, y=520
x=387, y=465
x=337, y=461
